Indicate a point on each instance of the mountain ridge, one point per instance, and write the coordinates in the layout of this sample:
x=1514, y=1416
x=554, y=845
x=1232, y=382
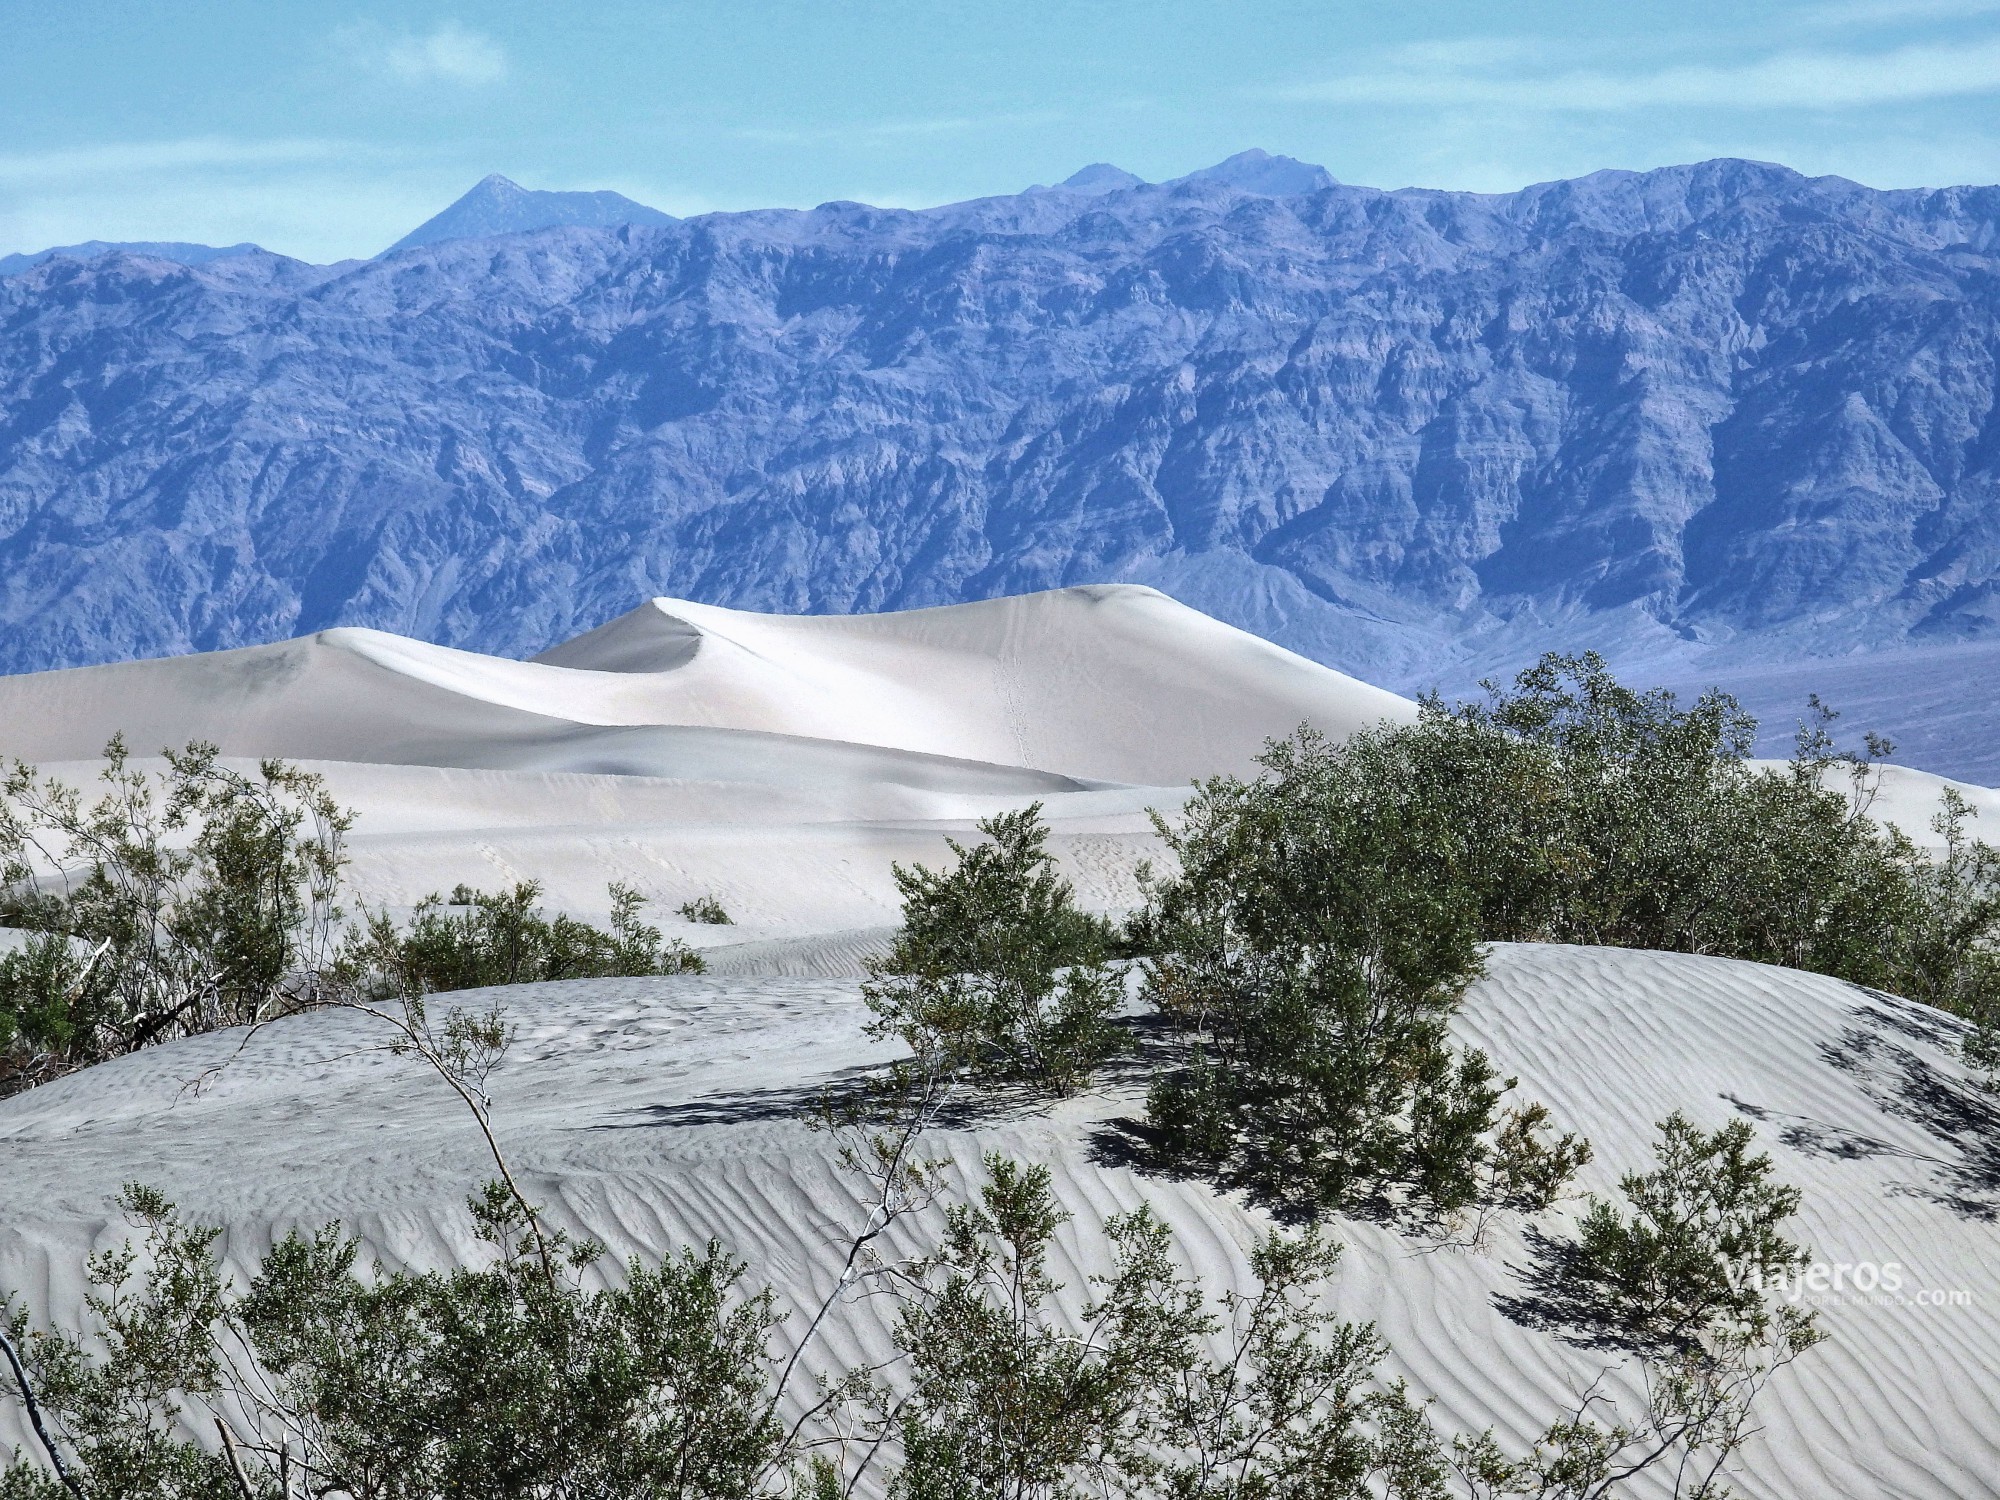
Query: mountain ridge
x=1713, y=414
x=186, y=253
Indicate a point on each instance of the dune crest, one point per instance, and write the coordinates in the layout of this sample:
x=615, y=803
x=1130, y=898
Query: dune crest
x=1110, y=683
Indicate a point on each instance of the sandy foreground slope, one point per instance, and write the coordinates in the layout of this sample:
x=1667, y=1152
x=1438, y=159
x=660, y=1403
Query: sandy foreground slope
x=781, y=764
x=657, y=1112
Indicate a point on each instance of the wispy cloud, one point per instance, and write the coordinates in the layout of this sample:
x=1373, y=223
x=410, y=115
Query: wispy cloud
x=1786, y=80
x=449, y=53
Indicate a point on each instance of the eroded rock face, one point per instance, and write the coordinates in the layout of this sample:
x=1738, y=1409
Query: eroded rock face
x=1719, y=403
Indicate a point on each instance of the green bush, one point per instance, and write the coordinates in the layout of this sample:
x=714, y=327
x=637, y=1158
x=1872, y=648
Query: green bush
x=1703, y=1247
x=1694, y=1280
x=516, y=1380
x=174, y=903
x=1652, y=829
x=1010, y=1390
x=1310, y=950
x=708, y=910
x=1949, y=953
x=508, y=1381
x=497, y=1382
x=1325, y=917
x=481, y=938
x=996, y=968
x=199, y=897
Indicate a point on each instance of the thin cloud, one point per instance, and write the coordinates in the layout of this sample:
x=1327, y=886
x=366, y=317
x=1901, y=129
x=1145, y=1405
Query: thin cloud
x=1789, y=80
x=1473, y=53
x=450, y=53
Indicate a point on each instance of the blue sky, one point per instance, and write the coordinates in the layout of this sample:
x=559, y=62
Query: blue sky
x=328, y=129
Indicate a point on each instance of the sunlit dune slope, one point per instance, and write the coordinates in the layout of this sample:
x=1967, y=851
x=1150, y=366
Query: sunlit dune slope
x=1113, y=683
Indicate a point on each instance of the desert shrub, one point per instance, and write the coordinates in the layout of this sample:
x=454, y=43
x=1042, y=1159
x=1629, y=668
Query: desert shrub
x=1702, y=1247
x=1310, y=950
x=1009, y=1388
x=1011, y=1385
x=482, y=938
x=1653, y=829
x=997, y=968
x=1693, y=1280
x=506, y=1381
x=706, y=909
x=1325, y=917
x=497, y=1381
x=1616, y=846
x=1002, y=1398
x=174, y=903
x=514, y=1379
x=1949, y=953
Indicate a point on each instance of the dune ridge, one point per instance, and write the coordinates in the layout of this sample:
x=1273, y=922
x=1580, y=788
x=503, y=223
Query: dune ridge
x=1111, y=683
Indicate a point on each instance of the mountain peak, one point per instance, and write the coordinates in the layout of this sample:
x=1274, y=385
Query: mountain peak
x=1269, y=176
x=1102, y=177
x=499, y=205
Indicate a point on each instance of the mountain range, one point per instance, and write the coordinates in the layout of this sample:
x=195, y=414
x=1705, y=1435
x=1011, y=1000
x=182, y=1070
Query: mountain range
x=176, y=250
x=1721, y=421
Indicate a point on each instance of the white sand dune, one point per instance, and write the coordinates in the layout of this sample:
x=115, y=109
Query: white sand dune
x=1911, y=800
x=781, y=764
x=654, y=1112
x=792, y=844
x=1111, y=683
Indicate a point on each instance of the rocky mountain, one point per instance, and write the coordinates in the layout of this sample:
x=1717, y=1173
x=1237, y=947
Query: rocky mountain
x=1702, y=417
x=498, y=206
x=1265, y=175
x=177, y=250
x=1098, y=177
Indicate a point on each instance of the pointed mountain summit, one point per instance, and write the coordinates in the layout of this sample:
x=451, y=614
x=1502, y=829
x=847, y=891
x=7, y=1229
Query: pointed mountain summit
x=1268, y=176
x=1102, y=177
x=500, y=206
x=1095, y=180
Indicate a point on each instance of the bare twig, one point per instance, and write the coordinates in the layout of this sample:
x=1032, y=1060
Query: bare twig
x=889, y=1159
x=235, y=1460
x=418, y=1037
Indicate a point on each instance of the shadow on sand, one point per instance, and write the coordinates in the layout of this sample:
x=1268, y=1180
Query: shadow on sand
x=1900, y=1053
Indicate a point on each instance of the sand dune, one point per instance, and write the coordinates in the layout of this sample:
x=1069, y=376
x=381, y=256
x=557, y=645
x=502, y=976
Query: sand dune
x=781, y=765
x=652, y=1112
x=794, y=842
x=1113, y=683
